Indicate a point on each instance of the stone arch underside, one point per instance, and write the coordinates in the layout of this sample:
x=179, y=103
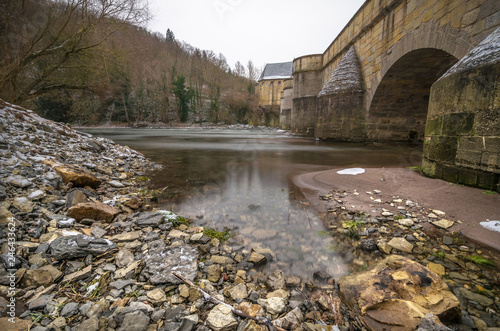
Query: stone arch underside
x=453, y=41
x=398, y=109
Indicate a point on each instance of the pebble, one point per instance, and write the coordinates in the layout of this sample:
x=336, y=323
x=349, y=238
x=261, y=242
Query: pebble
x=443, y=223
x=220, y=318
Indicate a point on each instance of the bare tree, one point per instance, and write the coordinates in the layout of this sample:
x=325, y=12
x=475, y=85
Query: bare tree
x=239, y=69
x=253, y=72
x=52, y=36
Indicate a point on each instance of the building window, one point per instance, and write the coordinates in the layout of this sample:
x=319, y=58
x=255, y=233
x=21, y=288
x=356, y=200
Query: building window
x=279, y=82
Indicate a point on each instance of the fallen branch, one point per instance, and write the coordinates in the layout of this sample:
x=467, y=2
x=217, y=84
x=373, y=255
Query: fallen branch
x=208, y=297
x=307, y=214
x=335, y=302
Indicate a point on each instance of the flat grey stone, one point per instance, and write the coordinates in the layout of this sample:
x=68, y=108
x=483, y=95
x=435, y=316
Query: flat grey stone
x=69, y=309
x=159, y=264
x=149, y=219
x=119, y=284
x=18, y=181
x=41, y=302
x=71, y=247
x=136, y=321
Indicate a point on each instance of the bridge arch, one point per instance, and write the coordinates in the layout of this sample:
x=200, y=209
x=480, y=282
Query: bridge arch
x=398, y=99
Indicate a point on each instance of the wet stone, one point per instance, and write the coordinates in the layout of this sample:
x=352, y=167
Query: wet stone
x=3, y=194
x=257, y=258
x=116, y=184
x=321, y=276
x=479, y=298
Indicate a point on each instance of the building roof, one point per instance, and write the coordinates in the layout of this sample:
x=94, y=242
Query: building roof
x=277, y=71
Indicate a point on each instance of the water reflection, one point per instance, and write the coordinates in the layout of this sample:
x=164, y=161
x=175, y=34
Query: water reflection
x=241, y=180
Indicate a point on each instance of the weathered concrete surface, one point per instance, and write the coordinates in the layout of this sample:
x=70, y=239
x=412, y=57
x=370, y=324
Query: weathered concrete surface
x=396, y=293
x=462, y=141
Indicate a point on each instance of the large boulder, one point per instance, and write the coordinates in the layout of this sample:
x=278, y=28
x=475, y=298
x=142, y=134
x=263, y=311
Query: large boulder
x=94, y=210
x=397, y=293
x=74, y=175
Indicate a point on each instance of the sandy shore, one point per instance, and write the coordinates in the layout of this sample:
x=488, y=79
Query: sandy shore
x=466, y=205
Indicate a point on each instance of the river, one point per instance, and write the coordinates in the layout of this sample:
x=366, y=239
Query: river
x=241, y=180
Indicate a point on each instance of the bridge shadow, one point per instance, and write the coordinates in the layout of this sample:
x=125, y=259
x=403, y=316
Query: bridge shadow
x=398, y=111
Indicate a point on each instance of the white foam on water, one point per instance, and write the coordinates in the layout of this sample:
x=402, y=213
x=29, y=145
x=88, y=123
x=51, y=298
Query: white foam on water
x=351, y=171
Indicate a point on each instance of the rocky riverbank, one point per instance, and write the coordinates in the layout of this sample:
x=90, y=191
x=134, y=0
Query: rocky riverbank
x=82, y=248
x=385, y=212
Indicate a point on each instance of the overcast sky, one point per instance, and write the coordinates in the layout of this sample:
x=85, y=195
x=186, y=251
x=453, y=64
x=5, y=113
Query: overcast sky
x=264, y=31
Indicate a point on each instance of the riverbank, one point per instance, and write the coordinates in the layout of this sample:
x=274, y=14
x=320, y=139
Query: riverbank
x=467, y=207
x=148, y=125
x=380, y=213
x=83, y=248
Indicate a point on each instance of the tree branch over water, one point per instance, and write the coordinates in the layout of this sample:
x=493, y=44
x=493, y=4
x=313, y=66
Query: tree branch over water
x=54, y=33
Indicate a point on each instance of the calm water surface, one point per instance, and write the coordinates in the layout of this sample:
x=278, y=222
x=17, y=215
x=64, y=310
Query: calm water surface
x=241, y=179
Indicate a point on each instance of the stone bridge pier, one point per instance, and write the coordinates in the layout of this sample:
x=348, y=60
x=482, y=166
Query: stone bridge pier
x=411, y=70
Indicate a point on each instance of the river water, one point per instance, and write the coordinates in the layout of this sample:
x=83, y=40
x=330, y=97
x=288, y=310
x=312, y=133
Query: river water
x=241, y=179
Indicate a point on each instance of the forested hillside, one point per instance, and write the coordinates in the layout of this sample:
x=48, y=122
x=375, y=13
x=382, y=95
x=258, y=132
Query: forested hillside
x=92, y=61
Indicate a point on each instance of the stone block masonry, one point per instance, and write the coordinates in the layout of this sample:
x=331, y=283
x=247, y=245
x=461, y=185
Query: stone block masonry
x=462, y=142
x=403, y=47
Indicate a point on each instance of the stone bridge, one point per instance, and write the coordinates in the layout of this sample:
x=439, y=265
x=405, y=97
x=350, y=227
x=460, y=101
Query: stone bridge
x=373, y=83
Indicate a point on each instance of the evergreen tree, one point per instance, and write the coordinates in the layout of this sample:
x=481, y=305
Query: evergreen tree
x=170, y=35
x=184, y=95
